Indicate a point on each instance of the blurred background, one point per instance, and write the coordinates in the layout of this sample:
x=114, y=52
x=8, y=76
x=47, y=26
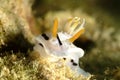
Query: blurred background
x=101, y=40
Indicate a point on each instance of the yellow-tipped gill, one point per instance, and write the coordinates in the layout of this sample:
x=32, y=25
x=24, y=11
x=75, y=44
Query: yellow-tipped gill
x=72, y=24
x=76, y=33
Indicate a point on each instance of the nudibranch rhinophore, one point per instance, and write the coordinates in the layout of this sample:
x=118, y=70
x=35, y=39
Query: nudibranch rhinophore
x=59, y=45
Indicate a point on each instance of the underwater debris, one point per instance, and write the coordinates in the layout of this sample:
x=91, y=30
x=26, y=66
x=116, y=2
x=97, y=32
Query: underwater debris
x=58, y=46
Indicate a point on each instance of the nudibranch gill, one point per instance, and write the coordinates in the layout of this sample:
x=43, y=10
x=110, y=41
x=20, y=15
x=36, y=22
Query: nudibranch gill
x=59, y=45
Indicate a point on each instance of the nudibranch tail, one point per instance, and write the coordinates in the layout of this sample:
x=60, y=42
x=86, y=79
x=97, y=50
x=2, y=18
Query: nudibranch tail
x=55, y=27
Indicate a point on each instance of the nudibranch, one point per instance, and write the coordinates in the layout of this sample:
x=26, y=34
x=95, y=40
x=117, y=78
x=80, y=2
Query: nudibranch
x=59, y=45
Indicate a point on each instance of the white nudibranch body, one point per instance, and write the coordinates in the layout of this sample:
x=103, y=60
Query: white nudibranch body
x=59, y=45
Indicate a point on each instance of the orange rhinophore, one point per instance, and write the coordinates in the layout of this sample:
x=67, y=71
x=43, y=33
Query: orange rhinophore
x=55, y=27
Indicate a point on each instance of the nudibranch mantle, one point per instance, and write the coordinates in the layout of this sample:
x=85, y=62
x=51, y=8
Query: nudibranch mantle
x=59, y=45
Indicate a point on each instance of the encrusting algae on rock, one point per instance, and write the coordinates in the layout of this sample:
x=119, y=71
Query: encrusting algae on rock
x=58, y=55
x=59, y=58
